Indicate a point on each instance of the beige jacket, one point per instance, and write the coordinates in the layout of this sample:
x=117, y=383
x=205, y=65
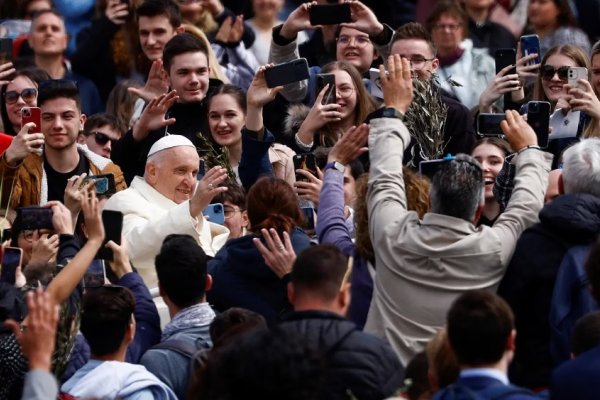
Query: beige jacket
x=423, y=266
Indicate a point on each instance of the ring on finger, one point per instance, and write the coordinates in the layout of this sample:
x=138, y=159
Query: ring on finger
x=210, y=186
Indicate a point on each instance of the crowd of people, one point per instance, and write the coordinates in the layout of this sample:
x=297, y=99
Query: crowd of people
x=186, y=229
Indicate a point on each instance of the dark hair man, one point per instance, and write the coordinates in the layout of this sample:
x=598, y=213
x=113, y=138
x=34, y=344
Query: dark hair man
x=99, y=133
x=445, y=246
x=481, y=331
x=37, y=174
x=414, y=42
x=181, y=111
x=108, y=326
x=358, y=363
x=48, y=39
x=183, y=282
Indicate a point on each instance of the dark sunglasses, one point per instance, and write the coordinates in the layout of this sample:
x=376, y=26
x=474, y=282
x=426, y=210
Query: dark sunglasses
x=548, y=72
x=28, y=95
x=102, y=138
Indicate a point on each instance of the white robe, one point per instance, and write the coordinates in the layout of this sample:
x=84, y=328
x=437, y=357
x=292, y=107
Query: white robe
x=149, y=217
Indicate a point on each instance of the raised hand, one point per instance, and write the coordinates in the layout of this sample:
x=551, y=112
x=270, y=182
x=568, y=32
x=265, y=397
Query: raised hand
x=38, y=339
x=5, y=70
x=231, y=30
x=74, y=190
x=278, y=255
x=501, y=84
x=44, y=248
x=363, y=19
x=153, y=116
x=517, y=131
x=207, y=189
x=309, y=190
x=318, y=116
x=62, y=218
x=396, y=84
x=297, y=21
x=350, y=146
x=583, y=98
x=120, y=264
x=258, y=93
x=524, y=69
x=117, y=12
x=93, y=218
x=24, y=144
x=156, y=85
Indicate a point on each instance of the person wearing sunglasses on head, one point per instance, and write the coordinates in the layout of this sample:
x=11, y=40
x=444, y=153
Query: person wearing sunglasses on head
x=99, y=133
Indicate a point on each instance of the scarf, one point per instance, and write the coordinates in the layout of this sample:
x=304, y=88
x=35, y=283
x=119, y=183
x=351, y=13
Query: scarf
x=193, y=316
x=451, y=58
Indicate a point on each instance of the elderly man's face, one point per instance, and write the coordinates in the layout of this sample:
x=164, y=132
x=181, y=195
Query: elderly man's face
x=173, y=173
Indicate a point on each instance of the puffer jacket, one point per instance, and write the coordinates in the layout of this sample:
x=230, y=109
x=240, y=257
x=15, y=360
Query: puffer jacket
x=571, y=219
x=358, y=364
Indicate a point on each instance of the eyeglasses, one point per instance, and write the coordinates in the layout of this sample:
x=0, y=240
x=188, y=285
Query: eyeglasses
x=359, y=41
x=449, y=27
x=548, y=71
x=102, y=138
x=229, y=211
x=418, y=62
x=345, y=91
x=28, y=95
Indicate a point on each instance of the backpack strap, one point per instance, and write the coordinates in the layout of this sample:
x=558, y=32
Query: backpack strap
x=183, y=347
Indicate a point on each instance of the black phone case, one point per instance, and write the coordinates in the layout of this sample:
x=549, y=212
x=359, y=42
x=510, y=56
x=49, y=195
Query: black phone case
x=113, y=226
x=504, y=58
x=539, y=120
x=322, y=81
x=283, y=74
x=330, y=14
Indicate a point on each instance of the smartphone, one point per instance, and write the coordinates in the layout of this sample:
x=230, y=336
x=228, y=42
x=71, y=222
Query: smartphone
x=530, y=44
x=504, y=58
x=375, y=84
x=322, y=81
x=201, y=170
x=306, y=161
x=113, y=226
x=11, y=259
x=215, y=213
x=309, y=218
x=576, y=73
x=32, y=114
x=95, y=276
x=289, y=72
x=34, y=217
x=428, y=168
x=538, y=117
x=104, y=184
x=330, y=14
x=489, y=124
x=6, y=45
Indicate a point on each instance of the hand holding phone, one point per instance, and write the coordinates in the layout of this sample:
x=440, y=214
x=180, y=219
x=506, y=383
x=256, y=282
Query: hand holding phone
x=530, y=44
x=574, y=74
x=322, y=81
x=11, y=260
x=286, y=73
x=113, y=227
x=306, y=161
x=488, y=124
x=32, y=114
x=330, y=14
x=104, y=184
x=215, y=213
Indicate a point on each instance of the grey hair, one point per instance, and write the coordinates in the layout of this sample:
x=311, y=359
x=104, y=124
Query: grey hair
x=457, y=188
x=156, y=159
x=581, y=170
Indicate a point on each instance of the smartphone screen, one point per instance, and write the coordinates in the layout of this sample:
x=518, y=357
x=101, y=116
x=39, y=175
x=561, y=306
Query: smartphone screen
x=330, y=14
x=11, y=259
x=322, y=81
x=104, y=184
x=489, y=124
x=309, y=218
x=306, y=161
x=6, y=45
x=95, y=276
x=215, y=213
x=283, y=74
x=32, y=114
x=538, y=117
x=113, y=226
x=35, y=217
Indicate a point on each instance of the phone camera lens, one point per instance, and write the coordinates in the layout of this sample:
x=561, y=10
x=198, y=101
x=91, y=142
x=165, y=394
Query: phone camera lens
x=534, y=107
x=218, y=209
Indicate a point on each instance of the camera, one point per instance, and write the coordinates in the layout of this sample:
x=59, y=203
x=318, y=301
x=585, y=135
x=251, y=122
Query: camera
x=534, y=107
x=26, y=112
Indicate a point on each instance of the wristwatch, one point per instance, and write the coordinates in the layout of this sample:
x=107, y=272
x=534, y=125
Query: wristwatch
x=335, y=165
x=385, y=112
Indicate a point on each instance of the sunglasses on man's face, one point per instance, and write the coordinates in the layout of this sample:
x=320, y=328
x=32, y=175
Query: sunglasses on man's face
x=102, y=138
x=548, y=72
x=28, y=95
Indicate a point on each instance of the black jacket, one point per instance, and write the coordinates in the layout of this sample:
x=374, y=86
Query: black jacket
x=357, y=362
x=572, y=219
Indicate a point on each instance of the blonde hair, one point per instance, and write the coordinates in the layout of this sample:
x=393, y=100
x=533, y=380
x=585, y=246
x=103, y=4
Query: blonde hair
x=216, y=72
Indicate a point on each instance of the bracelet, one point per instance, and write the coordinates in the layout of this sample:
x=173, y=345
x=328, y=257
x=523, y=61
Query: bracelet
x=303, y=145
x=531, y=146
